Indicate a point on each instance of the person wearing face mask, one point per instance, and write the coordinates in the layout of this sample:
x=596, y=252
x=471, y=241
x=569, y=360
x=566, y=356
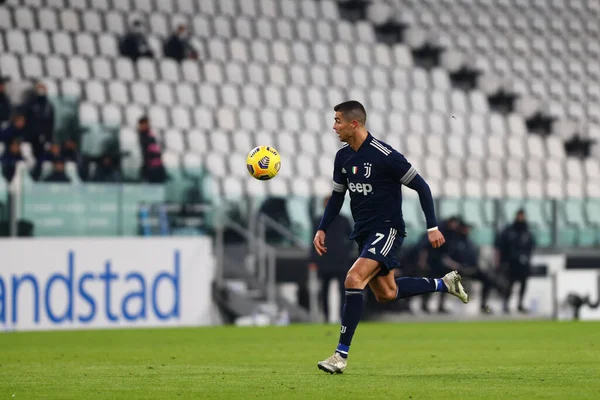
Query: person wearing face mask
x=178, y=46
x=40, y=124
x=134, y=44
x=514, y=246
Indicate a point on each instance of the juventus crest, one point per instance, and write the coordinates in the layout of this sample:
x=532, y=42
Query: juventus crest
x=367, y=170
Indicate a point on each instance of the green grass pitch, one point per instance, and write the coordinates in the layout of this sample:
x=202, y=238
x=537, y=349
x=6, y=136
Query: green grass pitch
x=475, y=360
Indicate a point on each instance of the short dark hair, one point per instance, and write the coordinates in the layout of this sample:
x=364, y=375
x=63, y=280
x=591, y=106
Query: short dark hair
x=143, y=119
x=352, y=110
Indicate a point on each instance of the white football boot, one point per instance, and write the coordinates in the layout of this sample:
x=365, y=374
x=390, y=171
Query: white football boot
x=452, y=280
x=335, y=364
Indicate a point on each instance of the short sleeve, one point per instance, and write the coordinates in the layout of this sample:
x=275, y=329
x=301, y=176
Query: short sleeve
x=401, y=168
x=339, y=175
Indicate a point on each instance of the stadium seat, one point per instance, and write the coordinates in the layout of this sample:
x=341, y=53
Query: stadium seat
x=78, y=68
x=123, y=69
x=39, y=43
x=55, y=67
x=192, y=165
x=5, y=18
x=92, y=21
x=101, y=69
x=95, y=92
x=111, y=115
x=159, y=117
x=132, y=114
x=62, y=44
x=203, y=117
x=207, y=94
x=70, y=89
x=114, y=22
x=174, y=141
x=163, y=93
x=184, y=94
x=197, y=142
x=32, y=66
x=117, y=93
x=16, y=42
x=47, y=20
x=69, y=20
x=88, y=114
x=146, y=70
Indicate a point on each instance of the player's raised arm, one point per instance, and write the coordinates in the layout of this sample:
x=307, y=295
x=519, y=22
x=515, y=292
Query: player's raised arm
x=408, y=176
x=333, y=207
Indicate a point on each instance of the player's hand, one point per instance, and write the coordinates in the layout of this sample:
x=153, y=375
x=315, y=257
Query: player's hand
x=319, y=242
x=436, y=238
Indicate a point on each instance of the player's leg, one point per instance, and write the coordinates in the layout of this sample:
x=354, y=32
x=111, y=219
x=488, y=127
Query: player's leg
x=383, y=248
x=358, y=276
x=386, y=288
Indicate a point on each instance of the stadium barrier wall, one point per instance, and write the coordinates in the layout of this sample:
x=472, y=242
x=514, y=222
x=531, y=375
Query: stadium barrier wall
x=48, y=284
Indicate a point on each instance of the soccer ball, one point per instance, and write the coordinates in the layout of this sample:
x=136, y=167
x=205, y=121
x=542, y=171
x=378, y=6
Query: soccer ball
x=263, y=162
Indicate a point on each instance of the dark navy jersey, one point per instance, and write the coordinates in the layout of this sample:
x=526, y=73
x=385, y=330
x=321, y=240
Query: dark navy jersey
x=373, y=175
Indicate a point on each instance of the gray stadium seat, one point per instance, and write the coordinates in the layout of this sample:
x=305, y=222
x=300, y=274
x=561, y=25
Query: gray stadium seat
x=16, y=42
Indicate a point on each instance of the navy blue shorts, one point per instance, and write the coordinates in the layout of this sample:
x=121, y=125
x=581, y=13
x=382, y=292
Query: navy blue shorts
x=381, y=245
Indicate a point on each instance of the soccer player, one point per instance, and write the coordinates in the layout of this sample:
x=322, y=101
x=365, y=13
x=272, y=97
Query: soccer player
x=374, y=172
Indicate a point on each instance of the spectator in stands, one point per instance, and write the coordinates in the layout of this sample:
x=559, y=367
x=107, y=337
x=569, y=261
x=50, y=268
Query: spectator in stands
x=466, y=252
x=11, y=157
x=276, y=209
x=438, y=262
x=53, y=154
x=40, y=124
x=153, y=170
x=106, y=171
x=16, y=129
x=5, y=103
x=134, y=44
x=58, y=174
x=514, y=246
x=334, y=264
x=70, y=154
x=178, y=46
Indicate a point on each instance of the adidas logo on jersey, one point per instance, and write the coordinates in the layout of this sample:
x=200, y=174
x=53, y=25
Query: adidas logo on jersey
x=372, y=250
x=364, y=188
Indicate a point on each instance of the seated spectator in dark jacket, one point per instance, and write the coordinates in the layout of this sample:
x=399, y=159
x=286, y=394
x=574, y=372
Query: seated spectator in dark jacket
x=10, y=158
x=106, y=171
x=58, y=174
x=134, y=44
x=16, y=129
x=153, y=170
x=40, y=125
x=178, y=46
x=53, y=154
x=40, y=119
x=70, y=153
x=5, y=103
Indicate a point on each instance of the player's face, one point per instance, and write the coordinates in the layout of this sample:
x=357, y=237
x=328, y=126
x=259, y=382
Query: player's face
x=345, y=129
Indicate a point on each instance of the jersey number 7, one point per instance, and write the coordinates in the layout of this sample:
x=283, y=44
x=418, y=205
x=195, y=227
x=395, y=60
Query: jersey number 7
x=379, y=237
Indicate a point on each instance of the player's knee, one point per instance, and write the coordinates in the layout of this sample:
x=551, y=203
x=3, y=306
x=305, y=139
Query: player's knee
x=353, y=281
x=385, y=296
